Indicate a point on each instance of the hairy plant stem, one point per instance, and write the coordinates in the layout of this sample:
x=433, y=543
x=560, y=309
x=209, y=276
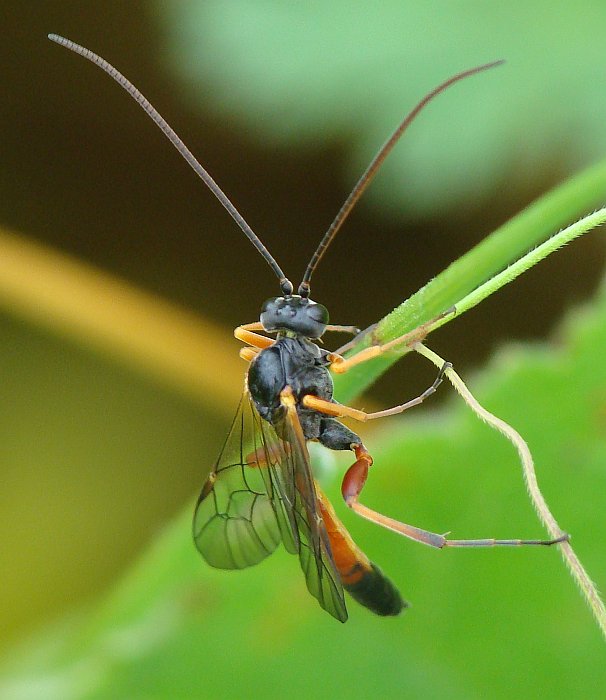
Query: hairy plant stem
x=577, y=570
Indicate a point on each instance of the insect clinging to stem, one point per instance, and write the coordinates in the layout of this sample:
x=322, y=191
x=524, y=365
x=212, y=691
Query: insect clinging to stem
x=261, y=491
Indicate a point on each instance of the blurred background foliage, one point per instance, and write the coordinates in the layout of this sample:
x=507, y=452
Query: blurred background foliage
x=285, y=104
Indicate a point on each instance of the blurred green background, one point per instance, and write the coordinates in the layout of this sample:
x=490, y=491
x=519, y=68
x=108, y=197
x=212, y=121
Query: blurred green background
x=285, y=104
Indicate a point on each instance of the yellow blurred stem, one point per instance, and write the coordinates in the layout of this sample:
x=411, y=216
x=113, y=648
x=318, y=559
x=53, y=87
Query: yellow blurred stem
x=158, y=339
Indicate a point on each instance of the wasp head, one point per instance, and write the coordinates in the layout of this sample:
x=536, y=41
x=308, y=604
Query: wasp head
x=294, y=313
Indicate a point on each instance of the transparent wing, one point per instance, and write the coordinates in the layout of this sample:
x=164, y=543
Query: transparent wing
x=243, y=510
x=314, y=550
x=260, y=492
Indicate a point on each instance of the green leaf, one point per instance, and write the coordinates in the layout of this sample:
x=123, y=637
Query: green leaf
x=507, y=252
x=300, y=74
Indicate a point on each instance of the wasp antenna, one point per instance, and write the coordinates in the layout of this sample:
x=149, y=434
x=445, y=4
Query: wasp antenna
x=171, y=135
x=374, y=166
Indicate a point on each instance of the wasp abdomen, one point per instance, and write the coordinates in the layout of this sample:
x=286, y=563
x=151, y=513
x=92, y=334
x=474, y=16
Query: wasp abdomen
x=376, y=592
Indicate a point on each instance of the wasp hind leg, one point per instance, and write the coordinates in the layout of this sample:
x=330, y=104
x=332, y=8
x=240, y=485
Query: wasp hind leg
x=335, y=436
x=353, y=483
x=362, y=579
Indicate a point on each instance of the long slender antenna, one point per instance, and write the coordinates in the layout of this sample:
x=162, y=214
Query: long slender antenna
x=170, y=134
x=371, y=171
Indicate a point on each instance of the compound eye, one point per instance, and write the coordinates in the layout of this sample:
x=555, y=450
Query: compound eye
x=318, y=313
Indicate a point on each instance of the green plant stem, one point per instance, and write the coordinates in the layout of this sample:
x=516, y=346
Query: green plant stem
x=439, y=295
x=556, y=241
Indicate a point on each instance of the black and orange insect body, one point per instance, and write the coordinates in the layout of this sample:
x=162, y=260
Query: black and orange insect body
x=280, y=379
x=261, y=491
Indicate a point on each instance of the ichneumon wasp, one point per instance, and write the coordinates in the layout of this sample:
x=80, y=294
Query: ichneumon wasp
x=261, y=490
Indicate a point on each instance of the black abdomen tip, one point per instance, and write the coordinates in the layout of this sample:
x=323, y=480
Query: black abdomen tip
x=377, y=593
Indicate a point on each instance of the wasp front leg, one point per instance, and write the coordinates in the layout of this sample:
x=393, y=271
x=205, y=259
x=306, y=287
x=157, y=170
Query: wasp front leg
x=249, y=353
x=352, y=330
x=246, y=333
x=340, y=364
x=350, y=344
x=256, y=342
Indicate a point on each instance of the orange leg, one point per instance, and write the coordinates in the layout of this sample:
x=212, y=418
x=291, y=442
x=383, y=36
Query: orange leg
x=246, y=335
x=341, y=364
x=355, y=479
x=335, y=409
x=353, y=483
x=249, y=353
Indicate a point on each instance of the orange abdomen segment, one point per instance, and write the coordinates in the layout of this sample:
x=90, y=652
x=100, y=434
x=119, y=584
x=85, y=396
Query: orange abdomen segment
x=362, y=579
